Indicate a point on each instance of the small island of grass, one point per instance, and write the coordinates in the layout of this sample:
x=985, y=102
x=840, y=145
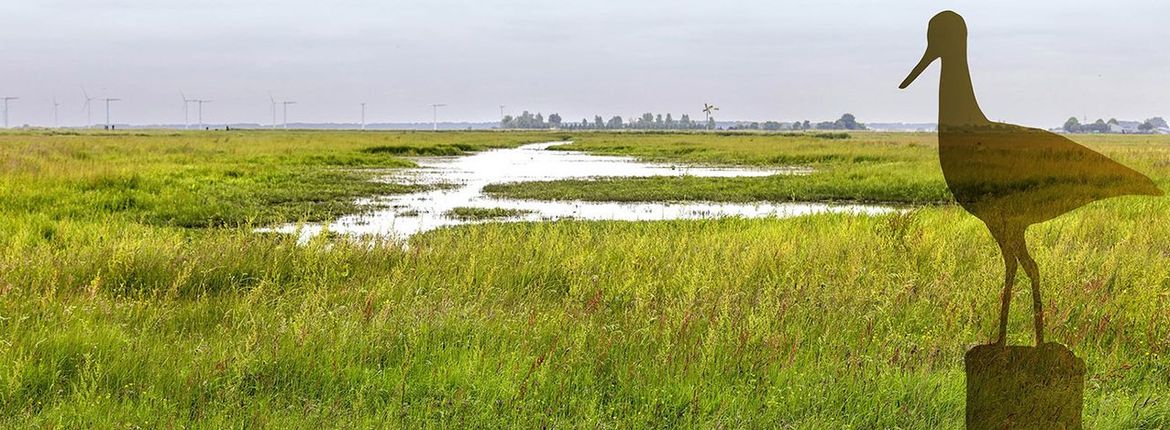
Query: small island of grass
x=473, y=214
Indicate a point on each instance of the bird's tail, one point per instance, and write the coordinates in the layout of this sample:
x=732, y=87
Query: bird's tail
x=1134, y=183
x=1147, y=187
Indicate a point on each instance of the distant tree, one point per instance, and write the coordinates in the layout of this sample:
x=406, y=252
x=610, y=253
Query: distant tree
x=646, y=121
x=806, y=125
x=710, y=123
x=771, y=125
x=507, y=122
x=614, y=123
x=554, y=120
x=1158, y=122
x=539, y=121
x=1112, y=121
x=847, y=122
x=685, y=121
x=848, y=118
x=598, y=122
x=1072, y=125
x=1100, y=126
x=1146, y=127
x=523, y=121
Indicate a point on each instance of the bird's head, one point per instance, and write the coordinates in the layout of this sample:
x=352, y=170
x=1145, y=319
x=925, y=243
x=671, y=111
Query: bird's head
x=946, y=36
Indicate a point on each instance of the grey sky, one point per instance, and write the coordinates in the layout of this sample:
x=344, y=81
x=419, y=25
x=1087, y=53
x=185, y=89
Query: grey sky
x=1034, y=62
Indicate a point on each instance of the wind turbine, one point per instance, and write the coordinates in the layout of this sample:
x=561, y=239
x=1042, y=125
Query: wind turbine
x=363, y=115
x=108, y=100
x=272, y=105
x=435, y=118
x=286, y=103
x=186, y=117
x=200, y=103
x=709, y=109
x=88, y=106
x=6, y=99
x=56, y=105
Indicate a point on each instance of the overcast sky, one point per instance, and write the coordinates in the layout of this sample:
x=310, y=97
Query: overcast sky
x=1033, y=62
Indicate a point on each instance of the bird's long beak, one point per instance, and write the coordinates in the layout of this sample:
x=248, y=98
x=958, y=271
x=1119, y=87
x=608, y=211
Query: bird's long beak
x=927, y=58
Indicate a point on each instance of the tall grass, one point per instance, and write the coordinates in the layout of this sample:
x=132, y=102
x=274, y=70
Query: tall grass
x=108, y=319
x=866, y=167
x=200, y=179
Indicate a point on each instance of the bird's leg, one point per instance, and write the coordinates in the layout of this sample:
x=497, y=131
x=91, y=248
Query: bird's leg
x=1009, y=279
x=1037, y=307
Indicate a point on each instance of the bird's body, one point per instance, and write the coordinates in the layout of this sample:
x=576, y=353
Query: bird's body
x=1008, y=176
x=1013, y=176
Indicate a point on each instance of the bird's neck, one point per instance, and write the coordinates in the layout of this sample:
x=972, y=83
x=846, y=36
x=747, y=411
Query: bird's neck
x=957, y=105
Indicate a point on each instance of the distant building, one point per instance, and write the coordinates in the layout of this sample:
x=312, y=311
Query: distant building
x=1125, y=127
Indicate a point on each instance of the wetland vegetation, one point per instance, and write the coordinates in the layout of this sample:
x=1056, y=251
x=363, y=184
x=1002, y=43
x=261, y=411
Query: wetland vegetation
x=468, y=213
x=135, y=291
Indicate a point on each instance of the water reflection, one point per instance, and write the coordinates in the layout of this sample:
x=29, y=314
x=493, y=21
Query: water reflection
x=406, y=214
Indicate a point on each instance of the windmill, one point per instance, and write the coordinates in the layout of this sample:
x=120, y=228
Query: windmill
x=709, y=109
x=200, y=109
x=108, y=100
x=6, y=99
x=435, y=117
x=88, y=106
x=272, y=105
x=285, y=105
x=363, y=115
x=56, y=105
x=186, y=117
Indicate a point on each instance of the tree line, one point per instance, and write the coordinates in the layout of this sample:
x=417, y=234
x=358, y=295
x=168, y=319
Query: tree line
x=1102, y=126
x=647, y=121
x=846, y=122
x=651, y=121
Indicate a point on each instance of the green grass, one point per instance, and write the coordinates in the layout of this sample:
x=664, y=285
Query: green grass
x=469, y=213
x=124, y=318
x=867, y=167
x=212, y=179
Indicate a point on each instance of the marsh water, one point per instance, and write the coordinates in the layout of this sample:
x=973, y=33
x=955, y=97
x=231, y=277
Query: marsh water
x=459, y=182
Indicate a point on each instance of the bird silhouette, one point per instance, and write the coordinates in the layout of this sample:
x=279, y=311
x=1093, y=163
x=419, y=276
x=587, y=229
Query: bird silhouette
x=1009, y=176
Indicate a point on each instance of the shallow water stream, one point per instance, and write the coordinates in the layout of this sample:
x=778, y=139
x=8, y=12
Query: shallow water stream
x=404, y=215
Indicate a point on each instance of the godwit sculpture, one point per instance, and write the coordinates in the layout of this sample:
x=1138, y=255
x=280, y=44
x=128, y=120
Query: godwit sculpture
x=1009, y=176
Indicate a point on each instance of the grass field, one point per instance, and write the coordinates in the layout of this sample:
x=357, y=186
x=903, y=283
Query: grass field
x=866, y=167
x=212, y=179
x=134, y=292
